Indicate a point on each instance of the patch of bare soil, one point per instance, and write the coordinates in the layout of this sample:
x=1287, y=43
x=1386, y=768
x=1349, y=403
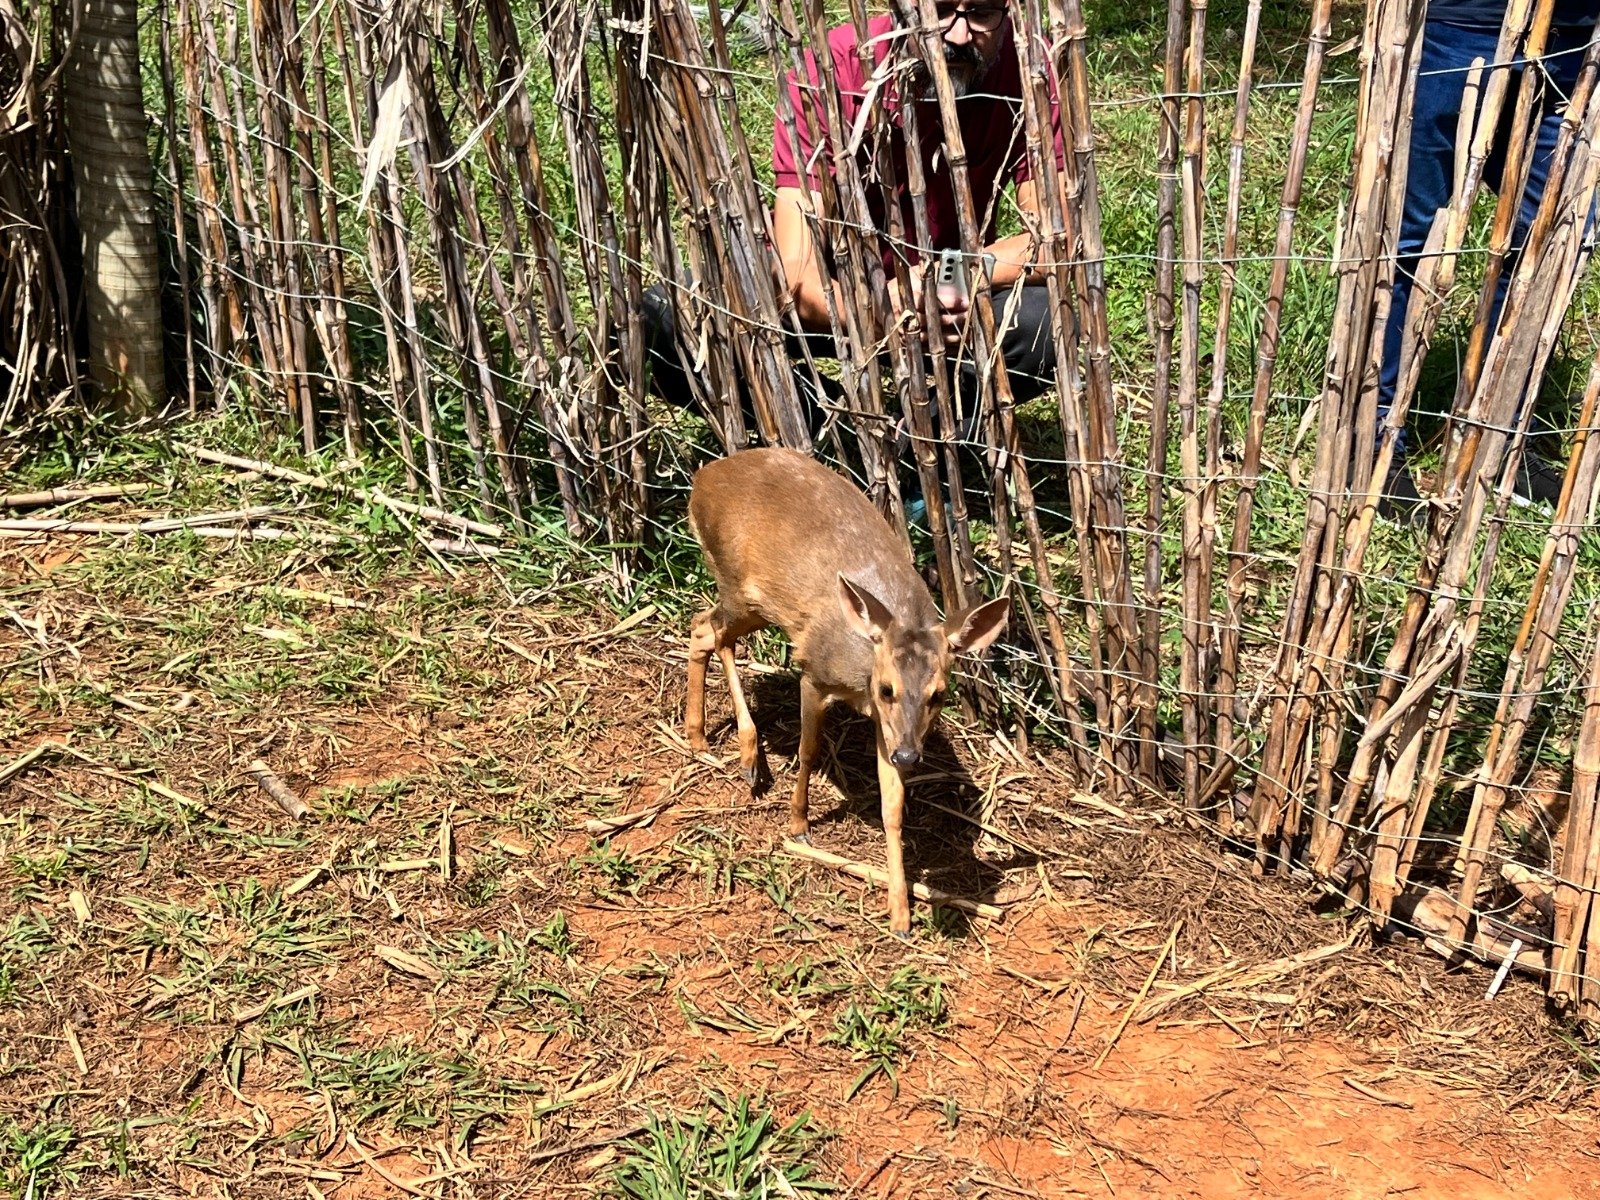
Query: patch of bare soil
x=440, y=983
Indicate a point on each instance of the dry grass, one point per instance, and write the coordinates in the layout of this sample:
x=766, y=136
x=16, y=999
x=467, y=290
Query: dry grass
x=438, y=977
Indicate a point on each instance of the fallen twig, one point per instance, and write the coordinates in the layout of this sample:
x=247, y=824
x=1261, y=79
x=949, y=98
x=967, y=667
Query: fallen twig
x=1240, y=975
x=22, y=762
x=871, y=1173
x=23, y=527
x=1373, y=1093
x=277, y=789
x=67, y=495
x=461, y=547
x=395, y=866
x=404, y=960
x=437, y=515
x=599, y=826
x=149, y=525
x=1127, y=1013
x=880, y=878
x=242, y=1015
x=632, y=621
x=76, y=1047
x=388, y=1176
x=594, y=1143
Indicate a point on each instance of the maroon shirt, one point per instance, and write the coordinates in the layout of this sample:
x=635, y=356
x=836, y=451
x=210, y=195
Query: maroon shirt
x=992, y=131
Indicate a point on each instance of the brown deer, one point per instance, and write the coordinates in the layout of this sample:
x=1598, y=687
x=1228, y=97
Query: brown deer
x=796, y=545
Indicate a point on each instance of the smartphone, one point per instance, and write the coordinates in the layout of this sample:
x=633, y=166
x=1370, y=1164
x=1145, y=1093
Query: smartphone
x=950, y=281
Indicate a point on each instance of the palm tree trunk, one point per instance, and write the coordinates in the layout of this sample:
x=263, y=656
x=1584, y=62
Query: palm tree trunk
x=116, y=207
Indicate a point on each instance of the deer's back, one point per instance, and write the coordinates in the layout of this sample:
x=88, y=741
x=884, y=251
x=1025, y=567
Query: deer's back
x=778, y=529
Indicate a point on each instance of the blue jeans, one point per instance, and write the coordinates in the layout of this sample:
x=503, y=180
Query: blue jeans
x=1447, y=53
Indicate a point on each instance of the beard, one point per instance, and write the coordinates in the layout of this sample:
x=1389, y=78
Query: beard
x=964, y=65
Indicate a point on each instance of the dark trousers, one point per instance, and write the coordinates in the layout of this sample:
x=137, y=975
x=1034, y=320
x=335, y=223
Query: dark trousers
x=1447, y=52
x=1028, y=345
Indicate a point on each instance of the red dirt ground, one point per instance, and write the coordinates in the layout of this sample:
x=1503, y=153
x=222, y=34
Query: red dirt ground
x=1374, y=1072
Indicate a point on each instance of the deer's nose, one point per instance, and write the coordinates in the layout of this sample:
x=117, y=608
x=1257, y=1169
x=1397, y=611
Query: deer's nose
x=905, y=758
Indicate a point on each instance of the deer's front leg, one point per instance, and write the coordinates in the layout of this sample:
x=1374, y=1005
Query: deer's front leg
x=812, y=712
x=892, y=788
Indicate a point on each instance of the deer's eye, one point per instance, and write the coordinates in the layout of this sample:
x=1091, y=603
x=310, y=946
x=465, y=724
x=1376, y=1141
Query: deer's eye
x=886, y=691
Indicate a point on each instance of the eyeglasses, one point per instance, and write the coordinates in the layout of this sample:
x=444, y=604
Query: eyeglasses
x=983, y=18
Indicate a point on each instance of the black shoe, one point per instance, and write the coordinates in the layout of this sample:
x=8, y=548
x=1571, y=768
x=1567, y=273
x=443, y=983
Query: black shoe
x=1400, y=503
x=1538, y=479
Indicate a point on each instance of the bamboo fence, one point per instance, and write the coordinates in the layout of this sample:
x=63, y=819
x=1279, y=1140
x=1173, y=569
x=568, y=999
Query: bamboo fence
x=422, y=230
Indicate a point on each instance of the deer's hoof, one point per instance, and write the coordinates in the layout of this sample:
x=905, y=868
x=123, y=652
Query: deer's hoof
x=803, y=838
x=903, y=935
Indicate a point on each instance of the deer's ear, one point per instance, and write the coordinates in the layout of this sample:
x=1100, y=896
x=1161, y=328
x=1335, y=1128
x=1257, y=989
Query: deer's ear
x=863, y=611
x=974, y=628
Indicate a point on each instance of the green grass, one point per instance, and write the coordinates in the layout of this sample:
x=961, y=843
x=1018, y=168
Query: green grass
x=875, y=1030
x=399, y=1086
x=734, y=1150
x=36, y=1159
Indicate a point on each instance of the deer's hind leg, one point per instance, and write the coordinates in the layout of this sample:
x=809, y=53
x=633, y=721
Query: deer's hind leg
x=728, y=628
x=716, y=631
x=702, y=641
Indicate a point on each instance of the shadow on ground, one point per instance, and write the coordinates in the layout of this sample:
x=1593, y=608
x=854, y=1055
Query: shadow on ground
x=941, y=847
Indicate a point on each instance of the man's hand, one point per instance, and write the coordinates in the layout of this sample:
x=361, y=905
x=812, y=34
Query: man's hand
x=952, y=310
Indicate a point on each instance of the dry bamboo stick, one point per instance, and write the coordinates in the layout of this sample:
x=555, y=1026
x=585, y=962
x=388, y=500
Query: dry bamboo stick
x=429, y=145
x=1574, y=894
x=526, y=337
x=598, y=408
x=391, y=256
x=880, y=878
x=1536, y=638
x=858, y=282
x=1194, y=632
x=280, y=247
x=266, y=533
x=1487, y=801
x=1512, y=357
x=962, y=588
x=1161, y=393
x=1219, y=381
x=225, y=330
x=1266, y=361
x=67, y=495
x=1056, y=245
x=337, y=310
x=324, y=306
x=749, y=224
x=239, y=170
x=373, y=495
x=1391, y=61
x=180, y=232
x=632, y=334
x=151, y=525
x=1434, y=275
x=1242, y=975
x=1508, y=203
x=281, y=793
x=1118, y=614
x=522, y=142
